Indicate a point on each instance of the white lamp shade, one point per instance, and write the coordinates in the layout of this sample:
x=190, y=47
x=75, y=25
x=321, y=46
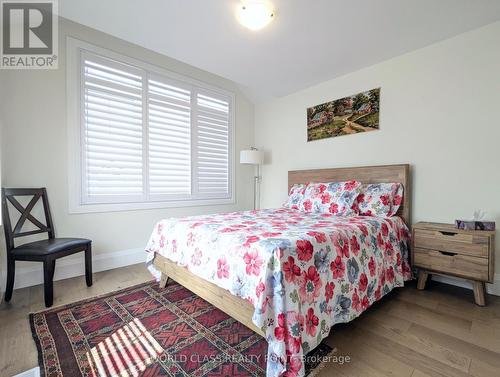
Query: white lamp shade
x=252, y=156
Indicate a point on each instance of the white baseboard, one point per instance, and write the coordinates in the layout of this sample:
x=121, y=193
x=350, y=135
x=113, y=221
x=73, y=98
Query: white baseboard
x=72, y=266
x=492, y=289
x=32, y=274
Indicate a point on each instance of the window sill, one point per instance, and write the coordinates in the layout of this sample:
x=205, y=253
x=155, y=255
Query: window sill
x=118, y=207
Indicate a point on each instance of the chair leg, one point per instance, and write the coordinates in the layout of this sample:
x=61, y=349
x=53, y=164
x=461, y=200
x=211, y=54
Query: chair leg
x=11, y=271
x=53, y=269
x=88, y=265
x=48, y=286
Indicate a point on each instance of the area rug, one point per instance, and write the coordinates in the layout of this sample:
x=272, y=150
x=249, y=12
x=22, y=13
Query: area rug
x=148, y=331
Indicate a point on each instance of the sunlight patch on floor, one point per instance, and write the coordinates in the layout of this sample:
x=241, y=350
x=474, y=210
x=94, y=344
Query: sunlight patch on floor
x=126, y=352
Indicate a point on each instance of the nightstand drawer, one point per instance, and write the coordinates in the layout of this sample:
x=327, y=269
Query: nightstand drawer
x=450, y=241
x=451, y=263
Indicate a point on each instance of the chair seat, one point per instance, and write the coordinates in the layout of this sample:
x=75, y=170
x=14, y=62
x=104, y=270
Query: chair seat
x=49, y=246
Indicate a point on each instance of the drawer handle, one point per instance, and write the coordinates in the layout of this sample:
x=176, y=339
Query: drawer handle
x=447, y=253
x=451, y=234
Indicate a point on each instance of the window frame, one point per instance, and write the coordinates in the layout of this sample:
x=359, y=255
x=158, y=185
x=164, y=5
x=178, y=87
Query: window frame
x=75, y=122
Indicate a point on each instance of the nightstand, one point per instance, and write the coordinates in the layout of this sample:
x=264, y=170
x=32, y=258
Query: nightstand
x=445, y=250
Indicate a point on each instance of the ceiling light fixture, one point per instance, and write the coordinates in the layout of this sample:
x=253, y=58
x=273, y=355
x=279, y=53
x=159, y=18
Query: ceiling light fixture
x=255, y=14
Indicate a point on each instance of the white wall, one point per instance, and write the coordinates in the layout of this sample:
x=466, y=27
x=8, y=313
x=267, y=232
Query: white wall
x=439, y=112
x=34, y=153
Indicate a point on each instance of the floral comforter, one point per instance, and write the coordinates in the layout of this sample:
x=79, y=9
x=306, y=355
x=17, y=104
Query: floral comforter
x=303, y=272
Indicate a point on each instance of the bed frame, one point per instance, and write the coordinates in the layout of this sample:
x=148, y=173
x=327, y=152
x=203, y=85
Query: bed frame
x=242, y=310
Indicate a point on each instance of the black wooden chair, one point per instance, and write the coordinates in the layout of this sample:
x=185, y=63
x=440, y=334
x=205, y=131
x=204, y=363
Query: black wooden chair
x=46, y=251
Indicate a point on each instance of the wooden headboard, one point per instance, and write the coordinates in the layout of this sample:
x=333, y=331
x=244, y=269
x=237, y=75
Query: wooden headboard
x=365, y=174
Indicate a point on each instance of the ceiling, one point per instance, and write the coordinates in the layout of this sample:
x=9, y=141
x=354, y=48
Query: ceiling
x=308, y=42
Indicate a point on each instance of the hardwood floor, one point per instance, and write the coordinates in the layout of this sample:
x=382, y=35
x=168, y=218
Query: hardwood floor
x=410, y=333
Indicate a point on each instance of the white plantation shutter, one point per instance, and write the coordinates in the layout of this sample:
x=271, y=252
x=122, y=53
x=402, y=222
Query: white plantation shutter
x=169, y=138
x=112, y=134
x=147, y=137
x=213, y=148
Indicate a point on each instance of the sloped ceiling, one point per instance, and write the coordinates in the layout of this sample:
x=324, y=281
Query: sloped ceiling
x=309, y=41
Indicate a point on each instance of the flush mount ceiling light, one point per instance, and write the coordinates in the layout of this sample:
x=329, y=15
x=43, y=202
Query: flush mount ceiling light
x=255, y=14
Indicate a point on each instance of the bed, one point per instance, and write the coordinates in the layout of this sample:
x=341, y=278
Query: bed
x=289, y=275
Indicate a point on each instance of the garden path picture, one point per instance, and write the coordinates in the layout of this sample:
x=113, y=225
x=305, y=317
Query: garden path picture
x=348, y=115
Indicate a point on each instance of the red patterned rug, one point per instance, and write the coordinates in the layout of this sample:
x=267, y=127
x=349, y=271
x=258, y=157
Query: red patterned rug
x=148, y=331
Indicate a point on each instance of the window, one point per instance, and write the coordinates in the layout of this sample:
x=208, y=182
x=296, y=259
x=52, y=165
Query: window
x=149, y=138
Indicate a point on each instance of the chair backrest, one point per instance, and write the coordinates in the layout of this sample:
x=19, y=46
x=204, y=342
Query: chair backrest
x=9, y=195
